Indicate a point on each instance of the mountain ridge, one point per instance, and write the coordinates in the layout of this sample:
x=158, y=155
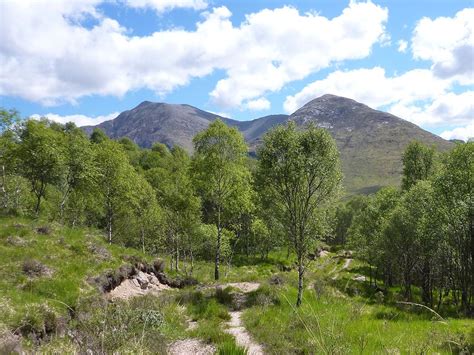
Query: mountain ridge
x=370, y=141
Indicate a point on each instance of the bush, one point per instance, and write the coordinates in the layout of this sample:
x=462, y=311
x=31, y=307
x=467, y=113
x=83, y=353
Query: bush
x=225, y=296
x=263, y=296
x=38, y=322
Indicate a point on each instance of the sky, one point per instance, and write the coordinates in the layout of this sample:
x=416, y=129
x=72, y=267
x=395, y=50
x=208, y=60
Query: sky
x=86, y=61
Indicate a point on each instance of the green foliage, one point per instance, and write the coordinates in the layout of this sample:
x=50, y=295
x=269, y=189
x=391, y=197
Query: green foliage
x=366, y=231
x=300, y=170
x=455, y=205
x=40, y=157
x=408, y=237
x=173, y=186
x=418, y=164
x=98, y=136
x=221, y=175
x=344, y=215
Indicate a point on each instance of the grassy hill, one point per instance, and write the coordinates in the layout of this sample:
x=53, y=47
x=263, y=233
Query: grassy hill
x=49, y=304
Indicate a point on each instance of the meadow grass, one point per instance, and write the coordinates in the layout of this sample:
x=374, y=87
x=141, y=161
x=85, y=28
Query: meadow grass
x=338, y=315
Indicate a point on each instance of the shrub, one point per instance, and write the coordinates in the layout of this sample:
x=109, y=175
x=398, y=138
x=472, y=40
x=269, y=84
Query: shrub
x=38, y=322
x=263, y=296
x=225, y=296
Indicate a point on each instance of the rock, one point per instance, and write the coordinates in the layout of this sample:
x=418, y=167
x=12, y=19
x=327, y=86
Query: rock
x=10, y=343
x=16, y=241
x=276, y=280
x=138, y=285
x=323, y=253
x=99, y=251
x=135, y=282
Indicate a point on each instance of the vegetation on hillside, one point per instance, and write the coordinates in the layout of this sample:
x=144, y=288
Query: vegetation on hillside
x=385, y=272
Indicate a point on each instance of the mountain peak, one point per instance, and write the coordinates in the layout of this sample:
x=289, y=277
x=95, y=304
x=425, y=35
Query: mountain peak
x=370, y=142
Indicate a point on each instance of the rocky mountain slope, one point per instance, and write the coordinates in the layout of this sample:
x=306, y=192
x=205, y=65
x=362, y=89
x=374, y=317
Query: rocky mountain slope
x=370, y=142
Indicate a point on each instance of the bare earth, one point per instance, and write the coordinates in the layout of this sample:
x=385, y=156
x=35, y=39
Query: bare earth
x=244, y=287
x=347, y=263
x=242, y=337
x=141, y=284
x=190, y=346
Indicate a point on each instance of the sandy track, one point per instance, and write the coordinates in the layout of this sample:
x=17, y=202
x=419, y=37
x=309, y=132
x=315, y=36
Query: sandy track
x=242, y=337
x=191, y=346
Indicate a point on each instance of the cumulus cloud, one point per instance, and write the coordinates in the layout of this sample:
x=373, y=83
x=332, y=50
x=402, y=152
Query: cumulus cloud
x=463, y=133
x=79, y=120
x=161, y=6
x=448, y=42
x=53, y=58
x=446, y=109
x=417, y=95
x=372, y=86
x=402, y=46
x=258, y=104
x=422, y=96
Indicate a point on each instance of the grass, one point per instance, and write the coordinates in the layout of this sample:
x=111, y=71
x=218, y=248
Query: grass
x=44, y=291
x=342, y=316
x=44, y=270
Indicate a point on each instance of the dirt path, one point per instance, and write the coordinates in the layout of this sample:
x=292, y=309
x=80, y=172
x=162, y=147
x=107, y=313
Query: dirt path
x=234, y=328
x=191, y=346
x=242, y=337
x=347, y=264
x=244, y=287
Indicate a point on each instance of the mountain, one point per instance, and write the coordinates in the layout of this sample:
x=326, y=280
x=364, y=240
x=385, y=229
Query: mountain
x=370, y=142
x=152, y=122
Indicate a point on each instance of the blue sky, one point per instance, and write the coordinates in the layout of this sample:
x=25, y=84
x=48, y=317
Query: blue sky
x=87, y=60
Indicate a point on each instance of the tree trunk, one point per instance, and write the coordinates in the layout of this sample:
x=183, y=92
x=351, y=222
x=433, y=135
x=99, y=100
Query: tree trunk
x=4, y=188
x=109, y=228
x=143, y=238
x=177, y=256
x=426, y=285
x=300, y=280
x=218, y=246
x=38, y=203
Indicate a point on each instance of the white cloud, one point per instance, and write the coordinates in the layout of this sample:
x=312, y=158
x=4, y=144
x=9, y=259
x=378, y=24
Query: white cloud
x=448, y=42
x=417, y=95
x=258, y=104
x=79, y=120
x=402, y=46
x=463, y=133
x=372, y=87
x=446, y=109
x=161, y=6
x=422, y=96
x=52, y=58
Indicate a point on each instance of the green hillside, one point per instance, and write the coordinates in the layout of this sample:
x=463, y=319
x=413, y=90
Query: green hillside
x=55, y=308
